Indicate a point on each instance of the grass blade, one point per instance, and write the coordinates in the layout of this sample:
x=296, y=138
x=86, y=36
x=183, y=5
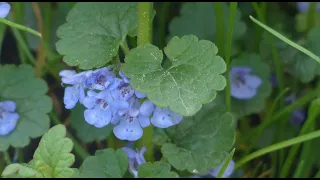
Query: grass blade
x=226, y=163
x=286, y=40
x=278, y=146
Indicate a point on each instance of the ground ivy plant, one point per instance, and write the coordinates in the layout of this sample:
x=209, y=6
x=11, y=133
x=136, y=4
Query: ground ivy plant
x=157, y=90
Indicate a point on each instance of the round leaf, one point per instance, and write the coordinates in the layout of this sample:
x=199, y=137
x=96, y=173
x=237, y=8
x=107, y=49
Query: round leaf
x=20, y=85
x=191, y=80
x=93, y=32
x=156, y=170
x=106, y=163
x=199, y=143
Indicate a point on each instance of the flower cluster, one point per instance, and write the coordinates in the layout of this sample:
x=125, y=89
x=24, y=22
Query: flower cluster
x=110, y=99
x=299, y=115
x=8, y=117
x=243, y=84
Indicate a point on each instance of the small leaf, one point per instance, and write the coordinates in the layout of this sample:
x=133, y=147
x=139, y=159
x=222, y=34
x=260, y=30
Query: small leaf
x=199, y=143
x=19, y=84
x=85, y=131
x=106, y=163
x=52, y=159
x=156, y=170
x=20, y=171
x=192, y=80
x=94, y=30
x=257, y=103
x=199, y=18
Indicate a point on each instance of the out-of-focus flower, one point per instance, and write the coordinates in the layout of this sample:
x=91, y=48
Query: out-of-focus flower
x=243, y=84
x=136, y=158
x=8, y=117
x=4, y=9
x=304, y=6
x=228, y=171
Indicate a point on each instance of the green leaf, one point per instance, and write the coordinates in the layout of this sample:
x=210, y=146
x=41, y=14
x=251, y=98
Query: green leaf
x=94, y=31
x=84, y=131
x=245, y=107
x=295, y=62
x=192, y=80
x=106, y=163
x=19, y=84
x=52, y=159
x=199, y=143
x=199, y=18
x=159, y=136
x=156, y=170
x=20, y=171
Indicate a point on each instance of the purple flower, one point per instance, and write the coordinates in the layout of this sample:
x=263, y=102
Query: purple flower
x=298, y=115
x=8, y=117
x=228, y=171
x=273, y=80
x=124, y=77
x=74, y=93
x=127, y=80
x=164, y=118
x=243, y=85
x=4, y=9
x=100, y=79
x=136, y=158
x=304, y=6
x=146, y=108
x=101, y=108
x=131, y=122
x=124, y=91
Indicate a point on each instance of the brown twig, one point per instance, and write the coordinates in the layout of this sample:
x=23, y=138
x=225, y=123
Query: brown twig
x=265, y=174
x=40, y=52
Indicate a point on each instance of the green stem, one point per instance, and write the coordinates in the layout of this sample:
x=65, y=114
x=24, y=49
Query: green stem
x=256, y=168
x=21, y=27
x=307, y=127
x=318, y=174
x=287, y=110
x=232, y=15
x=162, y=24
x=298, y=172
x=268, y=117
x=277, y=146
x=110, y=142
x=24, y=47
x=21, y=156
x=219, y=14
x=144, y=38
x=77, y=146
x=124, y=47
x=7, y=158
x=143, y=22
x=311, y=15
